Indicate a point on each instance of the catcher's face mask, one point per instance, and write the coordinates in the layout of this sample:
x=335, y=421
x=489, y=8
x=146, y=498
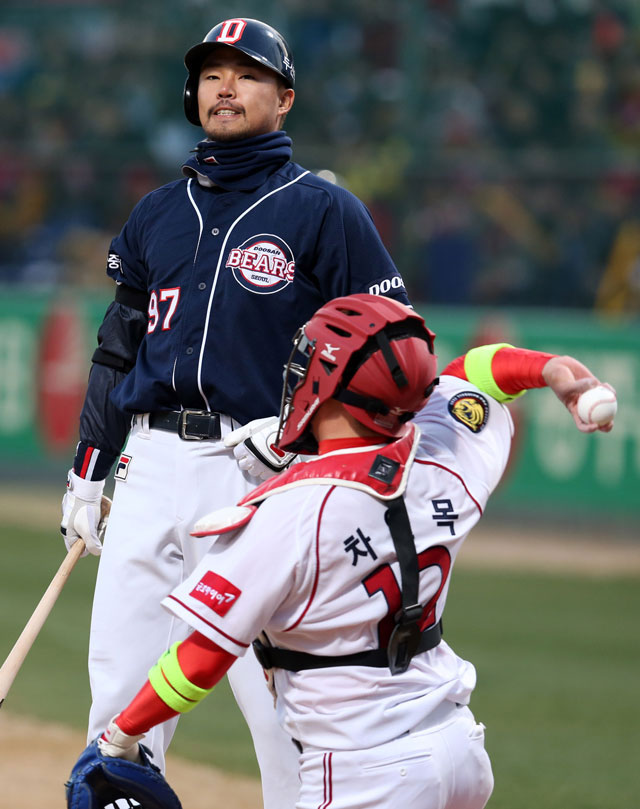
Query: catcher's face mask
x=295, y=374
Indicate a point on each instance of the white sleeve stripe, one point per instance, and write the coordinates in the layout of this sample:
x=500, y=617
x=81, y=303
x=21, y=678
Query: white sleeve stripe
x=92, y=463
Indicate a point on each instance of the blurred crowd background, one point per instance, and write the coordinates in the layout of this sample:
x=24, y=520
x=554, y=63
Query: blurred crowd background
x=496, y=142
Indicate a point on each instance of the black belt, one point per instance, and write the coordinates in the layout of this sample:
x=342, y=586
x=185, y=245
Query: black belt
x=275, y=657
x=191, y=425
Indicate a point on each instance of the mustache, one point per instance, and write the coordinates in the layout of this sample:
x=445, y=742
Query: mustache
x=226, y=105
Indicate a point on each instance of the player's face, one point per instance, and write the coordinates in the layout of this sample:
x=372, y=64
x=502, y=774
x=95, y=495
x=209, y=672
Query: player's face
x=238, y=98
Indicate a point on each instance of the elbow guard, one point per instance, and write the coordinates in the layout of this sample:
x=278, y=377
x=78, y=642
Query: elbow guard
x=102, y=357
x=122, y=330
x=133, y=298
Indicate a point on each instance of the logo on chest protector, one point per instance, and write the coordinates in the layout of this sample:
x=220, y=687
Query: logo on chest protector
x=262, y=264
x=470, y=409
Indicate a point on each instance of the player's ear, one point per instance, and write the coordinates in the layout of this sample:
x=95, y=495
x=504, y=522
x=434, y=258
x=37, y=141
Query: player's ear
x=285, y=99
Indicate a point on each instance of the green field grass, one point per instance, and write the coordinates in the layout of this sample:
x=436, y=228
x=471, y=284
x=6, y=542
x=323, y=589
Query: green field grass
x=558, y=662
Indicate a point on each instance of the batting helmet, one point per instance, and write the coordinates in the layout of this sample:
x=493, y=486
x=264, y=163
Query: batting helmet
x=371, y=353
x=254, y=38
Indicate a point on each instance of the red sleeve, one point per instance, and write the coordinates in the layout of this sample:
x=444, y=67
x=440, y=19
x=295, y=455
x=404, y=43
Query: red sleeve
x=513, y=369
x=516, y=369
x=202, y=662
x=456, y=368
x=145, y=711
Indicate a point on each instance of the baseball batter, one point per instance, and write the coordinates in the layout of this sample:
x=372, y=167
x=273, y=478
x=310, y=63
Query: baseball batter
x=341, y=565
x=214, y=273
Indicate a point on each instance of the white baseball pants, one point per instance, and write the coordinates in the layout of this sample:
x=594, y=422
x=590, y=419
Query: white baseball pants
x=148, y=551
x=442, y=766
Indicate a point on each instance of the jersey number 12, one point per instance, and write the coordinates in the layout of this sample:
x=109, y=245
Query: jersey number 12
x=383, y=580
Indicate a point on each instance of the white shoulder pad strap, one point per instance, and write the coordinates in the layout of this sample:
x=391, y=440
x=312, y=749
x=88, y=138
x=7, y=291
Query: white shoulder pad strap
x=223, y=520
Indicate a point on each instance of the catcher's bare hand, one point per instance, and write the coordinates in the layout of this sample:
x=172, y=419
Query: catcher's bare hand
x=568, y=378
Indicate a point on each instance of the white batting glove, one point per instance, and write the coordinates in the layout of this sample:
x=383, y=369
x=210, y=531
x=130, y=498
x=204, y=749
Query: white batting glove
x=85, y=512
x=254, y=448
x=115, y=743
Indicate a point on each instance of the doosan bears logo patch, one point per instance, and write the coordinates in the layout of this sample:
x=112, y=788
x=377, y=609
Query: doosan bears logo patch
x=263, y=264
x=216, y=592
x=471, y=409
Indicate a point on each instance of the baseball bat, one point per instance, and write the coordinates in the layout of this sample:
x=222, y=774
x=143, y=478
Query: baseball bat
x=17, y=655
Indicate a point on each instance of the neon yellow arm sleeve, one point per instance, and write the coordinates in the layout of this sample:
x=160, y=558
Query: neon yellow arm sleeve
x=171, y=685
x=477, y=367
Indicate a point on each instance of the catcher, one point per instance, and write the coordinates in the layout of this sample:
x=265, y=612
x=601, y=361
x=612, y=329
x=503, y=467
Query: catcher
x=337, y=570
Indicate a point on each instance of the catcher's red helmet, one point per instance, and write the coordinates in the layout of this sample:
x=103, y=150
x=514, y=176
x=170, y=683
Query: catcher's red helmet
x=254, y=38
x=371, y=353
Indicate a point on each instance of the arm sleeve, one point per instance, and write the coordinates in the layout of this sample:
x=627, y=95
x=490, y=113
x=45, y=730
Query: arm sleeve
x=350, y=255
x=502, y=371
x=202, y=664
x=103, y=427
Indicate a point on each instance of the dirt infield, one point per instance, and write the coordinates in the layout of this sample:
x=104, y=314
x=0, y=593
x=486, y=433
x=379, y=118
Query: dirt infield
x=35, y=759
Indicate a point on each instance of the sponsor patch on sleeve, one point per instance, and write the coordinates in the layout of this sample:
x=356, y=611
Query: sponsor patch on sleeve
x=114, y=263
x=216, y=592
x=471, y=409
x=122, y=468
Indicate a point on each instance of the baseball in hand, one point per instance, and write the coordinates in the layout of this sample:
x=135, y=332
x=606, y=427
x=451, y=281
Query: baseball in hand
x=597, y=405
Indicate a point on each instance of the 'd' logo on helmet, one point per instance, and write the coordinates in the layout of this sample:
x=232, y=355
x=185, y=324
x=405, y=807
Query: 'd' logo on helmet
x=262, y=264
x=231, y=31
x=471, y=409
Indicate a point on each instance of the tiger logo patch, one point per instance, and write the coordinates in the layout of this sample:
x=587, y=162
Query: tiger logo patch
x=471, y=409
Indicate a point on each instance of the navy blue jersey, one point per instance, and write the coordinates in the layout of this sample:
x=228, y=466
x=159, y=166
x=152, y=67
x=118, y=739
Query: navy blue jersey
x=214, y=285
x=231, y=276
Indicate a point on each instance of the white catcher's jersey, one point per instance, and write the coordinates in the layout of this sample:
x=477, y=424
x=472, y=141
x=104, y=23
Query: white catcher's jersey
x=315, y=567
